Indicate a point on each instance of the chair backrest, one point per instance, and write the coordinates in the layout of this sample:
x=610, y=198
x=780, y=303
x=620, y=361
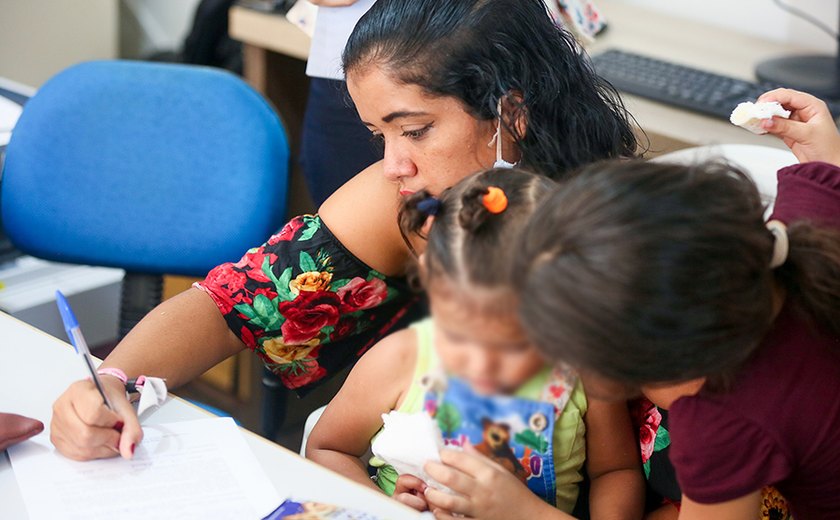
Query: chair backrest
x=154, y=168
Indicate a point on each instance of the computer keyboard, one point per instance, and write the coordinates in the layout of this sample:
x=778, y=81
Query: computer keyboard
x=686, y=87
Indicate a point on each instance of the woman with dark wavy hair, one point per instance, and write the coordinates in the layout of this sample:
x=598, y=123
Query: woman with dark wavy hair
x=449, y=87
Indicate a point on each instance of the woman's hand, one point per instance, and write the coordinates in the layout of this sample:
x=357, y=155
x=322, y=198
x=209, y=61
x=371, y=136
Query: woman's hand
x=410, y=491
x=810, y=133
x=83, y=428
x=483, y=488
x=332, y=3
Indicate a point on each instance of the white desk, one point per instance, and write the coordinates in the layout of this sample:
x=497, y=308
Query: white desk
x=36, y=368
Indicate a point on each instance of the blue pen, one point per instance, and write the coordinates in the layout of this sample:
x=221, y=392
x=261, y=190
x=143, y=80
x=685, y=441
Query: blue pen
x=71, y=325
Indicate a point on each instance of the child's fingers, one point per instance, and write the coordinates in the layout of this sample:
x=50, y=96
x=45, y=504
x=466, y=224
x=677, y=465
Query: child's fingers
x=786, y=128
x=444, y=515
x=412, y=501
x=791, y=99
x=441, y=500
x=470, y=461
x=409, y=483
x=449, y=476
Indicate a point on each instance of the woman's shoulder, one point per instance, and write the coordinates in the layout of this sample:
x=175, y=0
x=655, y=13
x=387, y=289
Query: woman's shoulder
x=362, y=215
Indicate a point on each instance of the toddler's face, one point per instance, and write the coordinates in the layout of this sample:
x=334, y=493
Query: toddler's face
x=488, y=349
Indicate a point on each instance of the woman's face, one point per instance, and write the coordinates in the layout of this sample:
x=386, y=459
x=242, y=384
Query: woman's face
x=431, y=142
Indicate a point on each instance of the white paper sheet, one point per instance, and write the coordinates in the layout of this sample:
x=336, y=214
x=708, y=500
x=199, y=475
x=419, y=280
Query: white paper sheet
x=190, y=469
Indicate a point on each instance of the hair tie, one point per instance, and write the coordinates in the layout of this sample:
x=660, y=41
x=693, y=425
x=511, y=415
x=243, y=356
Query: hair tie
x=495, y=200
x=781, y=244
x=430, y=206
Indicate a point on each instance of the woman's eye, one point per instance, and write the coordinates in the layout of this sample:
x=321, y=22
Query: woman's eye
x=377, y=137
x=416, y=134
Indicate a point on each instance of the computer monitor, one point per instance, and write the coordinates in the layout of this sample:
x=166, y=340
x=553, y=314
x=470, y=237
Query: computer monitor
x=818, y=75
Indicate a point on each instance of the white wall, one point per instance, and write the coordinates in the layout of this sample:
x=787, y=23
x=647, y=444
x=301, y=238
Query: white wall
x=761, y=18
x=38, y=38
x=41, y=37
x=154, y=25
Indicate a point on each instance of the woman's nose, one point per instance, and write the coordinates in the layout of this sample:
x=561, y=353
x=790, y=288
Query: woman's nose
x=397, y=164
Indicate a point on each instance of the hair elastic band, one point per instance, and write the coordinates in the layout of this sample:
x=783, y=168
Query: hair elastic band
x=430, y=206
x=781, y=245
x=495, y=200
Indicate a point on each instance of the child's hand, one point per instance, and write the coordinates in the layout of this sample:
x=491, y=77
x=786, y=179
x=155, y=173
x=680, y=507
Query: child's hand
x=485, y=490
x=410, y=491
x=810, y=133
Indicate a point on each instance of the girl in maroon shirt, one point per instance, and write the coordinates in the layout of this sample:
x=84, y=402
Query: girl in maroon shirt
x=666, y=279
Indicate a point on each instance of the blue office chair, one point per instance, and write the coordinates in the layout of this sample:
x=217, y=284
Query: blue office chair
x=152, y=168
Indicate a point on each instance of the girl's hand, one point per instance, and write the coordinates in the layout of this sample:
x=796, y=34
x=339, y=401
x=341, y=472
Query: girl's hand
x=483, y=488
x=810, y=133
x=83, y=428
x=410, y=491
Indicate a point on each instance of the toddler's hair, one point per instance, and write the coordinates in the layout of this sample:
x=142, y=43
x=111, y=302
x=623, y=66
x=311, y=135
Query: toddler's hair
x=645, y=272
x=468, y=243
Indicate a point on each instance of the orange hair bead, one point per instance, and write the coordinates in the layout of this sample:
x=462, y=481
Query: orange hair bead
x=495, y=200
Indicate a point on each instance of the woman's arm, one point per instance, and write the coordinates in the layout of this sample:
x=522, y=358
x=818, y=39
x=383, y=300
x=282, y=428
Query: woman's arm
x=612, y=461
x=180, y=339
x=186, y=335
x=362, y=215
x=375, y=385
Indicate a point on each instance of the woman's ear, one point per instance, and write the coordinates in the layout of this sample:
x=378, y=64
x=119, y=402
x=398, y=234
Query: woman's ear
x=515, y=112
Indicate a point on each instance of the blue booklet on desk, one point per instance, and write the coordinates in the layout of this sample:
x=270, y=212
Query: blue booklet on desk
x=291, y=510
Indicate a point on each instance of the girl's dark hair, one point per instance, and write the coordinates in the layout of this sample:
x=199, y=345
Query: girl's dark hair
x=650, y=273
x=466, y=242
x=480, y=51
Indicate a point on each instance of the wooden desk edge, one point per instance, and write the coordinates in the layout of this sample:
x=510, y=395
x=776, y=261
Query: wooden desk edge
x=269, y=31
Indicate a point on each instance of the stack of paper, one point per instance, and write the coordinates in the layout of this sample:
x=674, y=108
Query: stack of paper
x=192, y=469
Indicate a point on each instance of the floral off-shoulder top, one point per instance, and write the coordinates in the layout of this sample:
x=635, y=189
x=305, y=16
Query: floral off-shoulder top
x=306, y=305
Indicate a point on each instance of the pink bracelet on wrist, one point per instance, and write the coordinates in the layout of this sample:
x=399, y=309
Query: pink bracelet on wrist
x=115, y=372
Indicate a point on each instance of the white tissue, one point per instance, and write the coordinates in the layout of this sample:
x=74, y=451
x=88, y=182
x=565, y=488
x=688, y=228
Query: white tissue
x=749, y=115
x=152, y=393
x=407, y=442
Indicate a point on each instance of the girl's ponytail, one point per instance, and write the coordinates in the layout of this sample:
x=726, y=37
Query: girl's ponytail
x=478, y=204
x=811, y=273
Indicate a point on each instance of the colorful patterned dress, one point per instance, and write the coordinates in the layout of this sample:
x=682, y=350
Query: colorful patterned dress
x=305, y=305
x=538, y=433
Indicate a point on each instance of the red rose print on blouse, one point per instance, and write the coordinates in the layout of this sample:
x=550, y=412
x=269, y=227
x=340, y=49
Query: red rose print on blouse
x=360, y=294
x=307, y=314
x=647, y=418
x=297, y=380
x=252, y=264
x=234, y=283
x=288, y=231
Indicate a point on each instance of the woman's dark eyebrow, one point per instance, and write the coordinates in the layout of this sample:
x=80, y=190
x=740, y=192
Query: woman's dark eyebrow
x=402, y=113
